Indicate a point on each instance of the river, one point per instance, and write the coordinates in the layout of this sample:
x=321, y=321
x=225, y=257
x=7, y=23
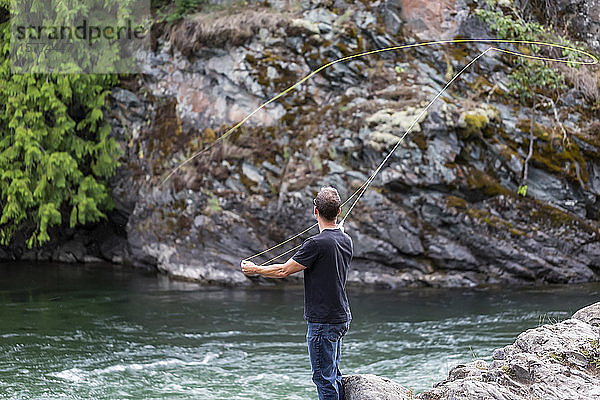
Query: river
x=106, y=332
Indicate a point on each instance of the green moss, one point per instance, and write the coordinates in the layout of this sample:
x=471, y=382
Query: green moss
x=164, y=136
x=475, y=122
x=516, y=232
x=524, y=125
x=209, y=135
x=481, y=84
x=174, y=220
x=259, y=66
x=492, y=221
x=544, y=214
x=506, y=152
x=344, y=49
x=550, y=155
x=212, y=204
x=479, y=180
x=456, y=202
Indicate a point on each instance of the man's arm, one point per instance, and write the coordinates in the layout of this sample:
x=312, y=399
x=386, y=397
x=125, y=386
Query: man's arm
x=273, y=270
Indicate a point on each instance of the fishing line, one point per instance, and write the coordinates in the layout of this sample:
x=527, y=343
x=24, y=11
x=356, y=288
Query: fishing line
x=366, y=184
x=362, y=189
x=593, y=61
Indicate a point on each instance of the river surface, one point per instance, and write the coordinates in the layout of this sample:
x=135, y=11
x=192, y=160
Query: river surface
x=73, y=332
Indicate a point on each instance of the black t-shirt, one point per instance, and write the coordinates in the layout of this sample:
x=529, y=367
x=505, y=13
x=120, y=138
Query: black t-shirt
x=326, y=257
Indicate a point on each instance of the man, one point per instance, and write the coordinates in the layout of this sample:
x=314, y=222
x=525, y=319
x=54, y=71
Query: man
x=325, y=259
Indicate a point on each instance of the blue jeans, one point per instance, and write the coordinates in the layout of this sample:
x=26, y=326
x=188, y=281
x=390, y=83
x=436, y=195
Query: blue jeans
x=324, y=350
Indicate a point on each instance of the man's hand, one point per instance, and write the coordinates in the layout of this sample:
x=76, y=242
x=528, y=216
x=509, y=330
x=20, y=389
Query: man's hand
x=248, y=267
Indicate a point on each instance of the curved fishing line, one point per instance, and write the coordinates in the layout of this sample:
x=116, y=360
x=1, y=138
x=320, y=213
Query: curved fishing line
x=366, y=184
x=594, y=60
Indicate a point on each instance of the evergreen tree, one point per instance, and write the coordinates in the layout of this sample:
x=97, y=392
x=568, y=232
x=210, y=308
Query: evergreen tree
x=55, y=148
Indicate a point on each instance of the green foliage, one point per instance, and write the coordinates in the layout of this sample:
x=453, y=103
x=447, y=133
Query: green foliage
x=530, y=76
x=55, y=148
x=213, y=203
x=522, y=190
x=173, y=11
x=508, y=26
x=77, y=37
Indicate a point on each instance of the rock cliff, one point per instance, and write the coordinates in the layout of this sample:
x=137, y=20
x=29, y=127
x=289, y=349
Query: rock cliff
x=443, y=212
x=552, y=362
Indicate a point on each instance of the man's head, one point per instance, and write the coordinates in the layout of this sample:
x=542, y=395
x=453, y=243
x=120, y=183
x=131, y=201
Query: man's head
x=328, y=203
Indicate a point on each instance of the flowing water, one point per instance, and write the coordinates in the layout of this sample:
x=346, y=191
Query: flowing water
x=73, y=332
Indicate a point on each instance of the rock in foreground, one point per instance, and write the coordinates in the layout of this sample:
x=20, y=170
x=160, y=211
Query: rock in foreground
x=373, y=387
x=552, y=362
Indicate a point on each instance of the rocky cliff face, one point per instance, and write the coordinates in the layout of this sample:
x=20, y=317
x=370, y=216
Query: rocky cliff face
x=552, y=362
x=443, y=212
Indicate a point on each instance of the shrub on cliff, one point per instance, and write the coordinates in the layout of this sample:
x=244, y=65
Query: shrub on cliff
x=55, y=148
x=175, y=10
x=531, y=79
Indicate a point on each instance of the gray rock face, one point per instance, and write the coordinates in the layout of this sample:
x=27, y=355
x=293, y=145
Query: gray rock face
x=552, y=362
x=443, y=211
x=582, y=17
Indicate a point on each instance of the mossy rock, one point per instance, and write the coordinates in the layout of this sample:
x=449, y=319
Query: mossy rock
x=481, y=181
x=381, y=141
x=475, y=121
x=456, y=202
x=554, y=156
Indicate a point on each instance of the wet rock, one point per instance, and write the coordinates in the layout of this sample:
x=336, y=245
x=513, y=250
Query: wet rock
x=71, y=251
x=194, y=266
x=303, y=26
x=125, y=97
x=114, y=248
x=372, y=387
x=252, y=173
x=390, y=11
x=581, y=17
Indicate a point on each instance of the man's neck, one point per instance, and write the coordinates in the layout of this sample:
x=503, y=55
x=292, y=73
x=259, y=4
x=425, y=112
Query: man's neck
x=326, y=225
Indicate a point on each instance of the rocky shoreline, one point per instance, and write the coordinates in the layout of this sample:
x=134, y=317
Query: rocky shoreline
x=443, y=213
x=552, y=362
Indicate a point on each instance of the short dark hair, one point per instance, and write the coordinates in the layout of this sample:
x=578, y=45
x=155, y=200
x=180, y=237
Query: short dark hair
x=328, y=203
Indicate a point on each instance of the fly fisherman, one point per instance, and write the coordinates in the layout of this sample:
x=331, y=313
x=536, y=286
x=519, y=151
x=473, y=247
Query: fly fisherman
x=325, y=259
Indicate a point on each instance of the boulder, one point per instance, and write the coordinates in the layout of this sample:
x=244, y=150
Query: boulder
x=372, y=387
x=589, y=314
x=551, y=362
